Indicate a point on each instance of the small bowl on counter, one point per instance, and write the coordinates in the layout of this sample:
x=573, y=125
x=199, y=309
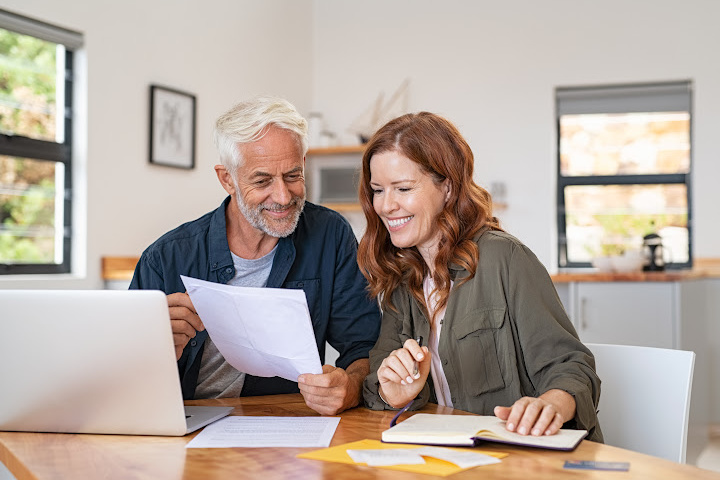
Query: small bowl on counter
x=628, y=262
x=626, y=265
x=603, y=264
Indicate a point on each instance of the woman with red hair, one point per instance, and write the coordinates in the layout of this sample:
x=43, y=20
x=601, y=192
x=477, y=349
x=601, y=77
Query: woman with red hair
x=498, y=338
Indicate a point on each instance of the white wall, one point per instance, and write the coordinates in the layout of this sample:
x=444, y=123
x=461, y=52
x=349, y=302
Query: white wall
x=220, y=50
x=491, y=67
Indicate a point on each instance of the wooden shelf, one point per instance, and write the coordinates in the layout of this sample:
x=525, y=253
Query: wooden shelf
x=337, y=150
x=343, y=207
x=118, y=268
x=355, y=207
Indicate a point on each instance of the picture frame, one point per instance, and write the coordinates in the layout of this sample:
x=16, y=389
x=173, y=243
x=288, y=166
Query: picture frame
x=172, y=127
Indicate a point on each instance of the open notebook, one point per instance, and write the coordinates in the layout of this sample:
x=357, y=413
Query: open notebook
x=92, y=361
x=469, y=430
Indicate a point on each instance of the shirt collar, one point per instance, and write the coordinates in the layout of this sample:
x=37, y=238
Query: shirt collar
x=217, y=238
x=221, y=258
x=456, y=269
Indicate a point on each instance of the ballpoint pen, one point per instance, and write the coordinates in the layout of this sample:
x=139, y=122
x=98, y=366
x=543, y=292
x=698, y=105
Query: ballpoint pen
x=416, y=373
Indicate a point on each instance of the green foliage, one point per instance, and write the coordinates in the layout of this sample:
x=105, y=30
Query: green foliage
x=619, y=231
x=23, y=250
x=34, y=208
x=27, y=62
x=27, y=107
x=28, y=224
x=27, y=85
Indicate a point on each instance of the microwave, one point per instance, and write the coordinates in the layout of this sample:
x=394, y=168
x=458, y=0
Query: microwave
x=332, y=178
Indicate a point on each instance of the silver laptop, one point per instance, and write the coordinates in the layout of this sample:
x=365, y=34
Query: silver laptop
x=92, y=361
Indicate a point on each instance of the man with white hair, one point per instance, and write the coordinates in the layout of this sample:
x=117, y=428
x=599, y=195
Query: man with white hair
x=265, y=235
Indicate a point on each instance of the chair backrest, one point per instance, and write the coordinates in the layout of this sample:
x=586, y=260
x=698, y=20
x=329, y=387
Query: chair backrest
x=645, y=398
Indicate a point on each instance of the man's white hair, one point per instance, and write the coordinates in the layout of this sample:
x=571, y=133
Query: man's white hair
x=247, y=122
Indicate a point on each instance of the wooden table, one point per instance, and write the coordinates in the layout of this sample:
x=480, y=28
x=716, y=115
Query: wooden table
x=49, y=455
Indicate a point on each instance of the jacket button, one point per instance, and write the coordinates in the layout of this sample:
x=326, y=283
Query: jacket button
x=228, y=270
x=444, y=362
x=214, y=265
x=193, y=343
x=301, y=284
x=454, y=400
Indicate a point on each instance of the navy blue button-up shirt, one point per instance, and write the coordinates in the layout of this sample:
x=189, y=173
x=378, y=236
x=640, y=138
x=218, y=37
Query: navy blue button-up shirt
x=319, y=257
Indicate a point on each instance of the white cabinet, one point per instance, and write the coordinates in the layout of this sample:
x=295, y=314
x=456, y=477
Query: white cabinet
x=669, y=314
x=627, y=313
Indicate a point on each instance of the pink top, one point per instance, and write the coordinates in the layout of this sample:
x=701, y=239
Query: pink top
x=442, y=390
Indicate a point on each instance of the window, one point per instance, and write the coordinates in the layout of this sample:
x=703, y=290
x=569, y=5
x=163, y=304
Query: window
x=624, y=161
x=36, y=120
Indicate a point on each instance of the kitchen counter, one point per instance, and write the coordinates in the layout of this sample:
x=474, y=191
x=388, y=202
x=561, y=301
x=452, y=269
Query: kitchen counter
x=703, y=268
x=121, y=269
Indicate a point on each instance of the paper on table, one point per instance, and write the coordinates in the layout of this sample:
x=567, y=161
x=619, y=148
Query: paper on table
x=265, y=332
x=414, y=456
x=231, y=432
x=463, y=459
x=378, y=458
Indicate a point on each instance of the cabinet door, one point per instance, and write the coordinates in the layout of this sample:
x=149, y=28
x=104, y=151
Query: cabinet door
x=627, y=313
x=565, y=293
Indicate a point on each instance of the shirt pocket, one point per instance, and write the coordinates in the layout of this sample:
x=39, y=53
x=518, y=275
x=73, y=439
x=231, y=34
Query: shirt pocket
x=311, y=288
x=478, y=363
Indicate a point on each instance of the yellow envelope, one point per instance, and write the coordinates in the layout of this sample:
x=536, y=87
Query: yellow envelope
x=432, y=466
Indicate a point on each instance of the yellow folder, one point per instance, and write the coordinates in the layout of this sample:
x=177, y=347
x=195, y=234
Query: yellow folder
x=433, y=466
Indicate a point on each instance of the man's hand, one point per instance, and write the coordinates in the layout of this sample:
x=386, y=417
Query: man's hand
x=184, y=321
x=335, y=390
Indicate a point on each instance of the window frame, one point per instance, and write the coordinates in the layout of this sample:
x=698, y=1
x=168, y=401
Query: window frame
x=612, y=180
x=21, y=146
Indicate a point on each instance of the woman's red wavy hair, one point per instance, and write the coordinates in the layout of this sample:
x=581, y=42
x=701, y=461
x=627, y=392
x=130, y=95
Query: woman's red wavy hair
x=439, y=149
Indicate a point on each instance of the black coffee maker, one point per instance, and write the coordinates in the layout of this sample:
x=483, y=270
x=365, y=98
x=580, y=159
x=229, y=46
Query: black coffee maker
x=653, y=253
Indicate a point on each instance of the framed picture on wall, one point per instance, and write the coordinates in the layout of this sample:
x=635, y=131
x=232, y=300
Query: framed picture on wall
x=172, y=127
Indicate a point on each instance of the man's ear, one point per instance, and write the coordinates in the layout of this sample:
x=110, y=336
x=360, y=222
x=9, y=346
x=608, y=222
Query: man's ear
x=225, y=179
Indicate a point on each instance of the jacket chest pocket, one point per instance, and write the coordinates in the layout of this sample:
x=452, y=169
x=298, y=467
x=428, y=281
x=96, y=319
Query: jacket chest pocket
x=478, y=362
x=311, y=288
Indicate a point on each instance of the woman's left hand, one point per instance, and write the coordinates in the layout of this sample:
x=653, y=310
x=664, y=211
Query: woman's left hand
x=544, y=415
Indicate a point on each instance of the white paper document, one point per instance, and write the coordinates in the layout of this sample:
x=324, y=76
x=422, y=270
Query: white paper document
x=383, y=458
x=414, y=456
x=256, y=432
x=463, y=459
x=265, y=332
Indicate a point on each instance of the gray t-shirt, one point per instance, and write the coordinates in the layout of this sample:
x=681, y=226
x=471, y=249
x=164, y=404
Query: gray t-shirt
x=219, y=379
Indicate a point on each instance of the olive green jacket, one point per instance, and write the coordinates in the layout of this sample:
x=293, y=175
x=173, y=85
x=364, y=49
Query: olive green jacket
x=505, y=335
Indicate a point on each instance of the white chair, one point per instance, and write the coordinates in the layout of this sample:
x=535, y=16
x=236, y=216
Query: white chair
x=645, y=398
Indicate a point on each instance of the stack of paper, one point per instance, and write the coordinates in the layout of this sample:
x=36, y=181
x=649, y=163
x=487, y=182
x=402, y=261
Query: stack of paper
x=265, y=332
x=434, y=463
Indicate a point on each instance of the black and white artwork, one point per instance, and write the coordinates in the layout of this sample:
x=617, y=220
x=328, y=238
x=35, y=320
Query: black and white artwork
x=172, y=127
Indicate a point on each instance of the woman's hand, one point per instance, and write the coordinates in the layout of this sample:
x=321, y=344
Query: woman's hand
x=400, y=382
x=544, y=415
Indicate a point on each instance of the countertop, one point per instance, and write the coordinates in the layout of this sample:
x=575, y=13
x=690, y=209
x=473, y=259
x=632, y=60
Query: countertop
x=121, y=268
x=703, y=268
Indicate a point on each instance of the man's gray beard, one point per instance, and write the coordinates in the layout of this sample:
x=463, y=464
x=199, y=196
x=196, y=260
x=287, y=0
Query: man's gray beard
x=255, y=217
